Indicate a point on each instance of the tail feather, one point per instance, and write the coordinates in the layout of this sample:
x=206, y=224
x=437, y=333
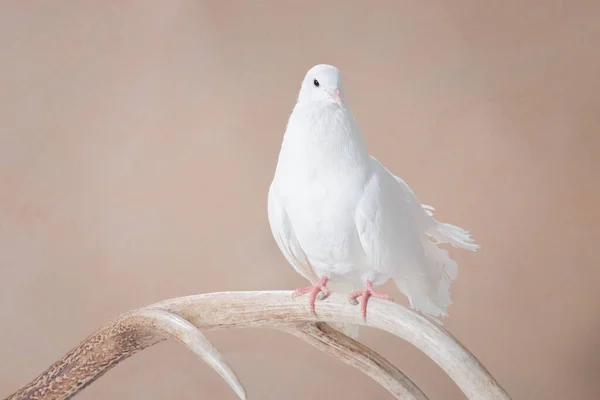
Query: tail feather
x=428, y=288
x=448, y=233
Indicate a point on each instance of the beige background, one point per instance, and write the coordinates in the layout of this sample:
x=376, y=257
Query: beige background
x=138, y=142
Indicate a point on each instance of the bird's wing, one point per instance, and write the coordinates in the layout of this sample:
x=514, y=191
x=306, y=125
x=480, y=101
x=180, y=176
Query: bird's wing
x=388, y=219
x=284, y=235
x=422, y=212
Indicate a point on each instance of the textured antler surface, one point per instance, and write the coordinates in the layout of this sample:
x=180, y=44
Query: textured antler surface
x=182, y=318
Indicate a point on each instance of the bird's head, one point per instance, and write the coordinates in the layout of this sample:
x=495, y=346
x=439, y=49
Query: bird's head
x=322, y=84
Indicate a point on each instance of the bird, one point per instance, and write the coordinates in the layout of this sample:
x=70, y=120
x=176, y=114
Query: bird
x=340, y=217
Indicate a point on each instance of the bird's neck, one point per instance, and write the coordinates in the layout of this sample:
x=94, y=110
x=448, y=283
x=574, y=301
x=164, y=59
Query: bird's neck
x=323, y=137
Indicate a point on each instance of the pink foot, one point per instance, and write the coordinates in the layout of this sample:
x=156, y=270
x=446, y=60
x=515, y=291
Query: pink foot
x=317, y=290
x=364, y=297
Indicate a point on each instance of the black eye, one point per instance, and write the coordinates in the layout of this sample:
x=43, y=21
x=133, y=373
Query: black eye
x=316, y=83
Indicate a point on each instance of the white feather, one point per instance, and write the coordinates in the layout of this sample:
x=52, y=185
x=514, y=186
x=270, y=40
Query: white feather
x=340, y=213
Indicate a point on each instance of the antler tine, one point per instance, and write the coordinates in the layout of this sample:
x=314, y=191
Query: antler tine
x=118, y=340
x=178, y=328
x=359, y=356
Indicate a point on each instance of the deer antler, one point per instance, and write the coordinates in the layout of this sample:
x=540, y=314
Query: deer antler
x=183, y=318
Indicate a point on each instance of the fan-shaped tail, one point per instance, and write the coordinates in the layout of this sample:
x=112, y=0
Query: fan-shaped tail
x=452, y=234
x=428, y=286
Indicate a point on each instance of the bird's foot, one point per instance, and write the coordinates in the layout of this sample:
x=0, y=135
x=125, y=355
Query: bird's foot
x=317, y=291
x=364, y=297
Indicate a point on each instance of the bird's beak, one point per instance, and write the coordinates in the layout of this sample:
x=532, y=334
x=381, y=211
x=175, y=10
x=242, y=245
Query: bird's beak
x=336, y=97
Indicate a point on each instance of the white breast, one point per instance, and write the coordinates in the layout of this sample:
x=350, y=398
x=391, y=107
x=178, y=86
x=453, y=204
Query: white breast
x=322, y=216
x=320, y=179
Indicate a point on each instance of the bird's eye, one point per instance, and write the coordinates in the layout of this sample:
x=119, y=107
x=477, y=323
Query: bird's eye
x=316, y=83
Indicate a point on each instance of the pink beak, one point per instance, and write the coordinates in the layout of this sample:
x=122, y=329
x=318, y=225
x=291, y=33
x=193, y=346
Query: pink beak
x=336, y=97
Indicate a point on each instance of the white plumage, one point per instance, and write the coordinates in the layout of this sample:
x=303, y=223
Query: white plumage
x=339, y=215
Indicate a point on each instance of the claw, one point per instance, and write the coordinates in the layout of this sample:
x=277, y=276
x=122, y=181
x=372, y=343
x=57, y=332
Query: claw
x=317, y=291
x=364, y=297
x=322, y=295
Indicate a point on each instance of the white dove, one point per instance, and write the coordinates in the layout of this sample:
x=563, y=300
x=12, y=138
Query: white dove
x=337, y=214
